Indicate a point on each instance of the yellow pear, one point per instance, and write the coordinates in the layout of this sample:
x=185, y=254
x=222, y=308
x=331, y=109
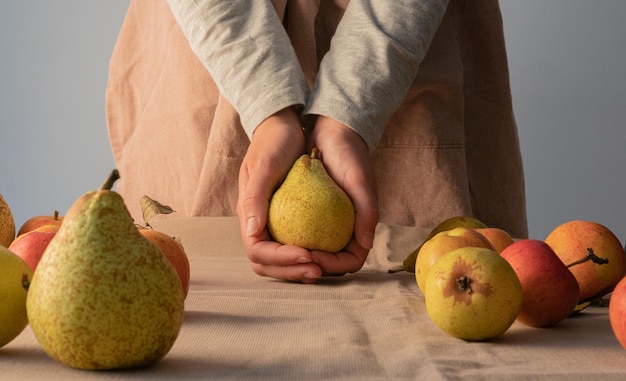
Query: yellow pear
x=472, y=293
x=103, y=296
x=310, y=210
x=433, y=249
x=7, y=223
x=15, y=277
x=448, y=224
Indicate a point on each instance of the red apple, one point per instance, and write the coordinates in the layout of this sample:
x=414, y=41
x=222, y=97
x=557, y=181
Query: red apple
x=31, y=245
x=37, y=221
x=173, y=251
x=574, y=241
x=617, y=312
x=550, y=290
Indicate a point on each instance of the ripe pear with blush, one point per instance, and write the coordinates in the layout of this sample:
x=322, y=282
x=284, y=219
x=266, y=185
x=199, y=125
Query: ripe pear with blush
x=550, y=290
x=499, y=238
x=575, y=242
x=448, y=224
x=472, y=293
x=31, y=245
x=443, y=242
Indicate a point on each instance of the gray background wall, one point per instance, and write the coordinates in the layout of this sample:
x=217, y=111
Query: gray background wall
x=567, y=74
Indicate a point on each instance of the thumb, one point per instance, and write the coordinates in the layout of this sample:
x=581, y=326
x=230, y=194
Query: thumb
x=365, y=203
x=254, y=205
x=255, y=192
x=365, y=226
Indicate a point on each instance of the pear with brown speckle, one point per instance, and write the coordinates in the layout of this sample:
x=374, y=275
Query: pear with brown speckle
x=310, y=210
x=103, y=296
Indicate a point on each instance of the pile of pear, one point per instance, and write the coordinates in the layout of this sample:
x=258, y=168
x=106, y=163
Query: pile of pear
x=103, y=296
x=577, y=263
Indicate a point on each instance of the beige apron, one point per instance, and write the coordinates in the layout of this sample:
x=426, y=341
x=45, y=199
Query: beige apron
x=451, y=148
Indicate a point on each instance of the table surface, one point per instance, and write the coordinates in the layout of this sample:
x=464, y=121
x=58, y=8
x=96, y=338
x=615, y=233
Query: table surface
x=371, y=325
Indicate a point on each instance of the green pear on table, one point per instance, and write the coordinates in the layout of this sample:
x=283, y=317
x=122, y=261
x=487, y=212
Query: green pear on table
x=103, y=296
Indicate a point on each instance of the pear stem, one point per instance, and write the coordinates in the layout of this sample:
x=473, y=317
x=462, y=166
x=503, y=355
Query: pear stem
x=108, y=184
x=315, y=153
x=590, y=256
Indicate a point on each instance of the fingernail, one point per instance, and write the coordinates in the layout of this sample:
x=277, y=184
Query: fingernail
x=303, y=260
x=310, y=275
x=367, y=240
x=252, y=224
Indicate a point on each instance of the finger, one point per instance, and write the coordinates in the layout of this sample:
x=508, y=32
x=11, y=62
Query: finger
x=350, y=260
x=365, y=225
x=285, y=262
x=254, y=203
x=299, y=273
x=365, y=201
x=266, y=252
x=256, y=186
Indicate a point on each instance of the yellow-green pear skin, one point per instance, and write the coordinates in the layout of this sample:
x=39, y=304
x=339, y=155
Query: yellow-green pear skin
x=103, y=296
x=448, y=224
x=310, y=210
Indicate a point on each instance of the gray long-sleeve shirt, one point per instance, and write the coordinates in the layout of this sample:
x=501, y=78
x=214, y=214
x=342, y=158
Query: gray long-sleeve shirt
x=373, y=58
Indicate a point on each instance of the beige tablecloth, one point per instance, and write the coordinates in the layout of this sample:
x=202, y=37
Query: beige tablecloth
x=369, y=325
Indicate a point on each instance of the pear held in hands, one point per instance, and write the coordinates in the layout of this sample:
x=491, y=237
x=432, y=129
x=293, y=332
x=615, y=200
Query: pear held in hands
x=310, y=210
x=103, y=296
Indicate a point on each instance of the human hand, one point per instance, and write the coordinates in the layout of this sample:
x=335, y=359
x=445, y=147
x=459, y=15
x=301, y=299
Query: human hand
x=347, y=160
x=275, y=146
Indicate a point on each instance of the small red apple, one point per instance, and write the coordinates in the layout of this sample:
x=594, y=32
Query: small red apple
x=37, y=221
x=574, y=241
x=173, y=251
x=617, y=312
x=550, y=290
x=31, y=245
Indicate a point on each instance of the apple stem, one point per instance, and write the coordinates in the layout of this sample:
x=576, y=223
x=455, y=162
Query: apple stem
x=108, y=184
x=463, y=284
x=590, y=256
x=56, y=215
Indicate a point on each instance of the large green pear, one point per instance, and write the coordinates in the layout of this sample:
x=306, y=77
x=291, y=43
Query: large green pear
x=103, y=296
x=309, y=209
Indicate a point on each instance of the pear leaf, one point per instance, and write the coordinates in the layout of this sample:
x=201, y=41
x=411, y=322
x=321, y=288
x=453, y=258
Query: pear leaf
x=151, y=208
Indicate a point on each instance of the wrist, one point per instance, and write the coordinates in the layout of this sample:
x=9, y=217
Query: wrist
x=287, y=121
x=327, y=129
